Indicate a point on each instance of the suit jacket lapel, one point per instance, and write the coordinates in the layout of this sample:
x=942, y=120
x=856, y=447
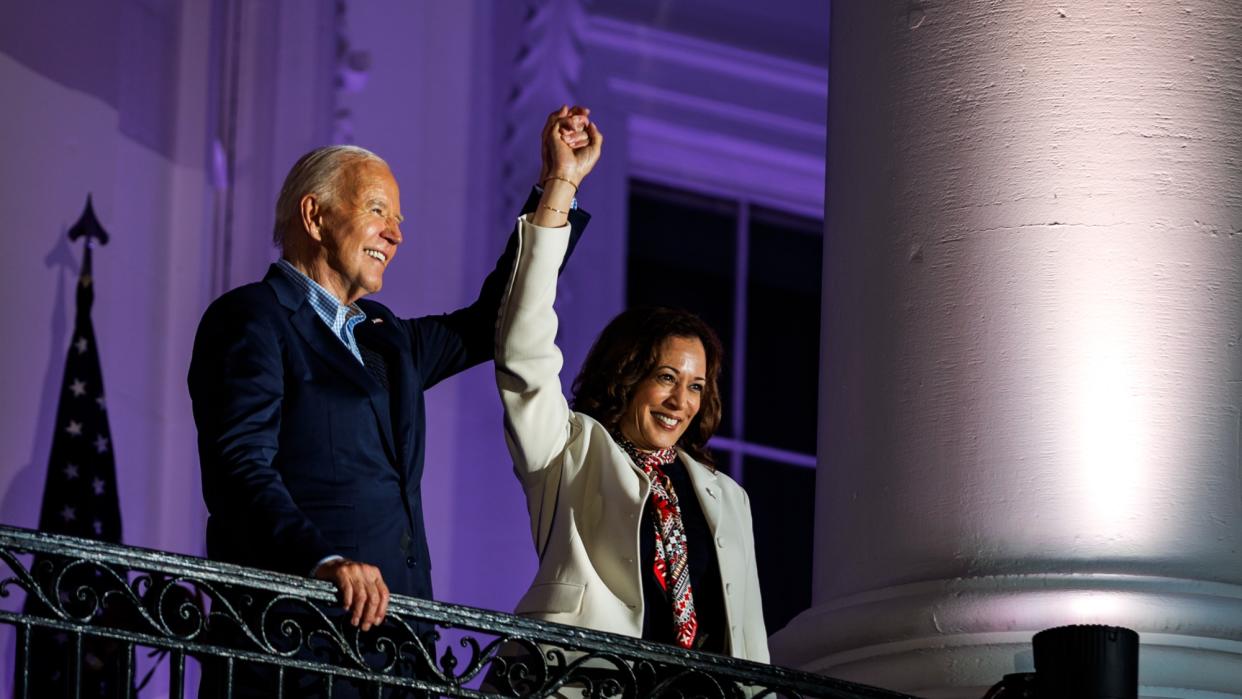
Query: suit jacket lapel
x=387, y=338
x=706, y=489
x=731, y=558
x=319, y=338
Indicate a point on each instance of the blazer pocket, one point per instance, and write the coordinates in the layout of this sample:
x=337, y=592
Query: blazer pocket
x=552, y=598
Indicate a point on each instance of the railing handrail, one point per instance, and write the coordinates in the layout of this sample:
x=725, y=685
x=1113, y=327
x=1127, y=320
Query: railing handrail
x=194, y=569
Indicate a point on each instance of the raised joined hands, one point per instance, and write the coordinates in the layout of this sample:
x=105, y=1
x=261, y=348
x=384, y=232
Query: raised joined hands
x=570, y=145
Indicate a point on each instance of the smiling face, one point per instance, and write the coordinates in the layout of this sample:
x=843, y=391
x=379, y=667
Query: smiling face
x=358, y=230
x=666, y=401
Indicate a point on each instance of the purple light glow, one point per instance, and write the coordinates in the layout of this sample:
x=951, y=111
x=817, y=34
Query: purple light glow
x=182, y=124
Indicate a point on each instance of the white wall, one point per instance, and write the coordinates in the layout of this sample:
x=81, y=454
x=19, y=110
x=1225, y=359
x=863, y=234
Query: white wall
x=62, y=143
x=1031, y=370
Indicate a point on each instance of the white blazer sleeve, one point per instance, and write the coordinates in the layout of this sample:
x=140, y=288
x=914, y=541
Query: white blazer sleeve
x=528, y=363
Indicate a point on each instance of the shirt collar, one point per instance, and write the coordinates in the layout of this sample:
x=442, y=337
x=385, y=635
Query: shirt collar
x=327, y=307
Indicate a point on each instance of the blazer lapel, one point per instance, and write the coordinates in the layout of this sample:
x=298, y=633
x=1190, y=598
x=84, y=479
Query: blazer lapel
x=319, y=338
x=730, y=556
x=706, y=488
x=386, y=337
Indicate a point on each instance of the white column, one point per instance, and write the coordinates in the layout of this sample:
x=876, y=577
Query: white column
x=1032, y=366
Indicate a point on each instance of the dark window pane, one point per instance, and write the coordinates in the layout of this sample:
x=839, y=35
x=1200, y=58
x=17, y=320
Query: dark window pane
x=682, y=252
x=782, y=334
x=782, y=502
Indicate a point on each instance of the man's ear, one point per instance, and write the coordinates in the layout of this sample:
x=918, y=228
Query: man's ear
x=312, y=217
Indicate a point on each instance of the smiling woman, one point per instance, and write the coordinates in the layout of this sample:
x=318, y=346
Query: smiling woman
x=651, y=376
x=637, y=532
x=668, y=399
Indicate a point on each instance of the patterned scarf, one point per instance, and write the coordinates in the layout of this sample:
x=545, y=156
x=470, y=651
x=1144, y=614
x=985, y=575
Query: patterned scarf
x=672, y=569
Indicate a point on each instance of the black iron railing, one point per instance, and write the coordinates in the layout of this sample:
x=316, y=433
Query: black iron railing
x=91, y=606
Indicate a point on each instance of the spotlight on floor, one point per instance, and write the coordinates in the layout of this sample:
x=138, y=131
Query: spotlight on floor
x=1077, y=662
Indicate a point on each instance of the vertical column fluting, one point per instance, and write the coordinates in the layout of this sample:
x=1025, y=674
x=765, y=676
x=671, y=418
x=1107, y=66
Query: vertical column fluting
x=1032, y=364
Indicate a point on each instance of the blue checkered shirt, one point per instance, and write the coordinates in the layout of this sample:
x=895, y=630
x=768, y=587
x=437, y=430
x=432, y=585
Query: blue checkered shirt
x=341, y=320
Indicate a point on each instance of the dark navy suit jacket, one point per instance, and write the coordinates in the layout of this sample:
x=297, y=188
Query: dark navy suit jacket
x=303, y=453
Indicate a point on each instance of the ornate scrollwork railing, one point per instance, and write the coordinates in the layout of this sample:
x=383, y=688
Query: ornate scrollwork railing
x=100, y=601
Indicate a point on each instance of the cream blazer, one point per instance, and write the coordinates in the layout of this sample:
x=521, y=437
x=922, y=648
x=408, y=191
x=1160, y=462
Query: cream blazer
x=584, y=494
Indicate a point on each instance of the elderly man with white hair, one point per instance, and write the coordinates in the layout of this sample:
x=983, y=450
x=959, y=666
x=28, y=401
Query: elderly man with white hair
x=308, y=397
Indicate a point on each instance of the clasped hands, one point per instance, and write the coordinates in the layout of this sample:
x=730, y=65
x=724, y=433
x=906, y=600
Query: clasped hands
x=570, y=146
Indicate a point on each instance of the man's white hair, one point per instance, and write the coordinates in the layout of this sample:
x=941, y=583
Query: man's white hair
x=314, y=173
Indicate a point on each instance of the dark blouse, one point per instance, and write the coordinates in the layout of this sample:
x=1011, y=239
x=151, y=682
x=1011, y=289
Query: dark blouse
x=704, y=572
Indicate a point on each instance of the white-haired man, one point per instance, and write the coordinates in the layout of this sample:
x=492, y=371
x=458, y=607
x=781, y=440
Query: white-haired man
x=308, y=397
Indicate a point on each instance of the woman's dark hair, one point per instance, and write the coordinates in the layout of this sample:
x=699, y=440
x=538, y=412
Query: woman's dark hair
x=626, y=352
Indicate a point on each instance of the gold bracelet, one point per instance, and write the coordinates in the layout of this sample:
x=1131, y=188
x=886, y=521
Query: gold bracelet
x=556, y=210
x=562, y=179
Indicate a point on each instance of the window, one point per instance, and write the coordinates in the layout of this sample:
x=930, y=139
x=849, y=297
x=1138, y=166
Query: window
x=753, y=273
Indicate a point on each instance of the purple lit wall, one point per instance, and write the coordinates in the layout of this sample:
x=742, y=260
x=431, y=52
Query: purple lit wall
x=181, y=118
x=110, y=118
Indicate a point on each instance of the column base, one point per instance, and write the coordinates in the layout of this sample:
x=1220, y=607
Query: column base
x=952, y=639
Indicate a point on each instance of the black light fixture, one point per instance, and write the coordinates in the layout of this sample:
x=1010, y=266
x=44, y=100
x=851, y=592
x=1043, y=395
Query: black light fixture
x=1077, y=662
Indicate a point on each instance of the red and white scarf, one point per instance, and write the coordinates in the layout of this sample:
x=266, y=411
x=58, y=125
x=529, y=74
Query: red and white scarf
x=672, y=563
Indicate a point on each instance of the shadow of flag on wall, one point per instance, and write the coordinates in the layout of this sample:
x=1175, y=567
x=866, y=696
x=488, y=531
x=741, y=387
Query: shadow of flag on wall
x=79, y=499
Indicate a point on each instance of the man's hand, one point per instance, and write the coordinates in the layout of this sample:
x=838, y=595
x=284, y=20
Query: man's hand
x=362, y=588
